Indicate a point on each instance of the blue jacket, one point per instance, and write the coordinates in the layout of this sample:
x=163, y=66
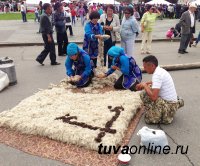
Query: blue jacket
x=91, y=30
x=90, y=43
x=127, y=66
x=82, y=65
x=59, y=22
x=129, y=28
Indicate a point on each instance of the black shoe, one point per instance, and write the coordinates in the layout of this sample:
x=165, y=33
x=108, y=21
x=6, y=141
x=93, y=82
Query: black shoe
x=55, y=63
x=185, y=51
x=180, y=102
x=181, y=52
x=40, y=62
x=62, y=55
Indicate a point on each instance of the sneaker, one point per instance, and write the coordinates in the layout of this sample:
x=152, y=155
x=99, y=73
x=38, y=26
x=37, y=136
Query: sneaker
x=195, y=44
x=55, y=63
x=40, y=62
x=180, y=102
x=148, y=52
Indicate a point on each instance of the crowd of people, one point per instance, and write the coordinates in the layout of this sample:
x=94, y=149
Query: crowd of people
x=159, y=95
x=11, y=6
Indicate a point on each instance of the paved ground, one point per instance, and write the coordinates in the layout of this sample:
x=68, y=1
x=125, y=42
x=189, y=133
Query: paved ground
x=184, y=130
x=19, y=32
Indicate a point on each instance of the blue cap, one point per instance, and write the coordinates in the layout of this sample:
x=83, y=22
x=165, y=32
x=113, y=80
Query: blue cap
x=72, y=49
x=116, y=51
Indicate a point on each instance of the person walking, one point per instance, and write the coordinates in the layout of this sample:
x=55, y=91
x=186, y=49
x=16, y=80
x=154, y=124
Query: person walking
x=187, y=22
x=68, y=23
x=81, y=13
x=46, y=29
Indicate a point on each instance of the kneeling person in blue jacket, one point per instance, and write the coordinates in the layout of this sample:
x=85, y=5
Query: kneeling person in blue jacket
x=79, y=66
x=131, y=73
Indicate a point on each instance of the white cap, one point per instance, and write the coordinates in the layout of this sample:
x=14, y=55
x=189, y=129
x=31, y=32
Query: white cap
x=66, y=8
x=193, y=4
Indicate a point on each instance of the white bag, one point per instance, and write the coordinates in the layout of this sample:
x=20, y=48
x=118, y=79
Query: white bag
x=151, y=139
x=4, y=80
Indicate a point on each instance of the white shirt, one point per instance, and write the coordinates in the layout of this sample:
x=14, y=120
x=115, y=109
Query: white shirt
x=23, y=8
x=162, y=80
x=68, y=14
x=192, y=18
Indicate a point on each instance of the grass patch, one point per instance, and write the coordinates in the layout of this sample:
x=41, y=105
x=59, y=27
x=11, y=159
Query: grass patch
x=16, y=16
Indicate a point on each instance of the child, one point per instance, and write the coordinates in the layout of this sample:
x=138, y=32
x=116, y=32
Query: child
x=37, y=14
x=170, y=33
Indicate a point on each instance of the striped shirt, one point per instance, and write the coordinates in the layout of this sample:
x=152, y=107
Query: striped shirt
x=162, y=80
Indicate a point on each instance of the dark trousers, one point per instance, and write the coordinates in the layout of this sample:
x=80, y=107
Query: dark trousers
x=62, y=41
x=73, y=20
x=119, y=84
x=70, y=29
x=24, y=17
x=94, y=62
x=198, y=38
x=48, y=48
x=37, y=17
x=107, y=45
x=185, y=39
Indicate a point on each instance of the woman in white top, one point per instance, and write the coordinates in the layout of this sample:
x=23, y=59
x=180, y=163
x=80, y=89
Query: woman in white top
x=68, y=23
x=110, y=24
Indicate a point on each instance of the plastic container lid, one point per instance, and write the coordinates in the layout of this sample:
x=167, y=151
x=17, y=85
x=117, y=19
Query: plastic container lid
x=124, y=157
x=5, y=60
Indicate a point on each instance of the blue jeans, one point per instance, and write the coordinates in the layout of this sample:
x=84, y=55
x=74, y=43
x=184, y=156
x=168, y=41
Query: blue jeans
x=73, y=20
x=82, y=19
x=198, y=38
x=24, y=17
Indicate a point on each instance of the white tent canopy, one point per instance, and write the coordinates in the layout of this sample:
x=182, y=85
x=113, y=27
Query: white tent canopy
x=67, y=1
x=36, y=2
x=158, y=2
x=197, y=2
x=113, y=2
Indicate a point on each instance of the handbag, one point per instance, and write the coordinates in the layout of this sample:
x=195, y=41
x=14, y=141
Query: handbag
x=68, y=19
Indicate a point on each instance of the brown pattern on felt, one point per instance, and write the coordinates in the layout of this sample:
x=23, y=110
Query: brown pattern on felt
x=66, y=153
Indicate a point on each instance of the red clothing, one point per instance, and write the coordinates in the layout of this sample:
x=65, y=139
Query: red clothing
x=169, y=34
x=73, y=12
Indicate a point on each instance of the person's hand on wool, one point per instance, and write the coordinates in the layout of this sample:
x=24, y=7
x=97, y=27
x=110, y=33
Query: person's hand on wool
x=115, y=68
x=70, y=78
x=77, y=78
x=140, y=86
x=101, y=75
